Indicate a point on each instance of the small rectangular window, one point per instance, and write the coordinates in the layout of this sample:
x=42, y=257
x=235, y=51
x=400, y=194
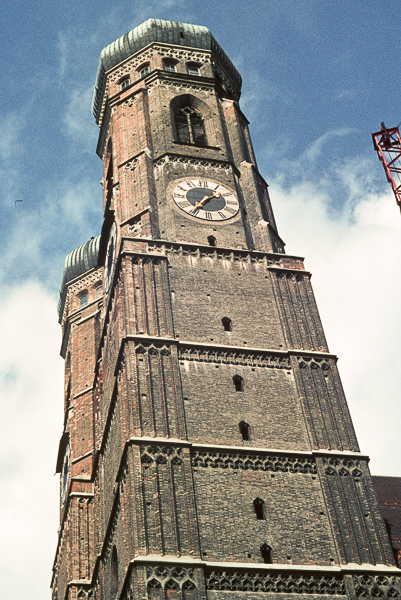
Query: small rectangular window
x=144, y=71
x=169, y=66
x=124, y=84
x=193, y=70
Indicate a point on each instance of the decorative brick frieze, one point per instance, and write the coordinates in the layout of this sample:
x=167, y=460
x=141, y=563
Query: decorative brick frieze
x=253, y=462
x=305, y=362
x=344, y=467
x=377, y=586
x=153, y=349
x=274, y=582
x=179, y=86
x=293, y=275
x=192, y=163
x=227, y=254
x=160, y=455
x=170, y=578
x=84, y=593
x=184, y=54
x=128, y=66
x=131, y=165
x=236, y=356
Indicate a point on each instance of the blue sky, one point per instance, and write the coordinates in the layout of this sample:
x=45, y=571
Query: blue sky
x=318, y=78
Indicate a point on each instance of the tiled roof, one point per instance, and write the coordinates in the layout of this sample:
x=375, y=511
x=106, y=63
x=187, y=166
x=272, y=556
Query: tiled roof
x=77, y=262
x=388, y=491
x=157, y=30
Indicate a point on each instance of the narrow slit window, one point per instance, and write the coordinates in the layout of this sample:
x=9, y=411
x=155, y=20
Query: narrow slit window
x=266, y=552
x=238, y=383
x=245, y=430
x=212, y=240
x=227, y=324
x=114, y=573
x=259, y=508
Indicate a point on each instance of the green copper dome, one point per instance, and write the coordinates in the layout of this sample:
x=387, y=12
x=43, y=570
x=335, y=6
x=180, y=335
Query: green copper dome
x=78, y=261
x=157, y=30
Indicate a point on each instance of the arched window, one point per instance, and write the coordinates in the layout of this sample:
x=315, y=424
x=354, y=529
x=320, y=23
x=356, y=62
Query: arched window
x=124, y=83
x=244, y=430
x=145, y=71
x=239, y=383
x=189, y=126
x=266, y=552
x=83, y=299
x=259, y=508
x=227, y=324
x=114, y=573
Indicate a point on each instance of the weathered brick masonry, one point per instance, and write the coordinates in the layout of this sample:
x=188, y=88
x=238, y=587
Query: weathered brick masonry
x=208, y=451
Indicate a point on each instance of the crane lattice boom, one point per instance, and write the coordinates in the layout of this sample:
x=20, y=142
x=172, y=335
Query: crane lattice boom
x=387, y=143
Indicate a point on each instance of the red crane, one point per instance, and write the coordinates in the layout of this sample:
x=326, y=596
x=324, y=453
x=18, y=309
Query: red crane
x=387, y=143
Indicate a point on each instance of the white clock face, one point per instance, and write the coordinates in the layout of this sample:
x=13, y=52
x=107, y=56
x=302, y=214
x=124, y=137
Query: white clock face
x=110, y=255
x=206, y=200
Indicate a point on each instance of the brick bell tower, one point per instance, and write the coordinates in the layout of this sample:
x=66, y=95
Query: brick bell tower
x=208, y=451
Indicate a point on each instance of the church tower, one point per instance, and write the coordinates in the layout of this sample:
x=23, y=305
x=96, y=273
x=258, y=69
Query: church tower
x=208, y=452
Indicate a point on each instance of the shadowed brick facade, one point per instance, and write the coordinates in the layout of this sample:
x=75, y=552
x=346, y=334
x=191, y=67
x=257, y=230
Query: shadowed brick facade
x=208, y=451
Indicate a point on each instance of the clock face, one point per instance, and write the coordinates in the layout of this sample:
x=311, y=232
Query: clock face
x=206, y=200
x=64, y=473
x=110, y=256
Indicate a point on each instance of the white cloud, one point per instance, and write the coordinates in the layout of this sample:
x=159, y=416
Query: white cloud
x=63, y=47
x=70, y=211
x=354, y=259
x=80, y=124
x=30, y=425
x=314, y=151
x=11, y=126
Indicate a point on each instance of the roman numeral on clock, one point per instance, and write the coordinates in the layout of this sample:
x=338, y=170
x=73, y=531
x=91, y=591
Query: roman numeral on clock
x=230, y=210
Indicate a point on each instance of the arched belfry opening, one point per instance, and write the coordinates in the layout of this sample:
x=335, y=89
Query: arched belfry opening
x=191, y=121
x=189, y=126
